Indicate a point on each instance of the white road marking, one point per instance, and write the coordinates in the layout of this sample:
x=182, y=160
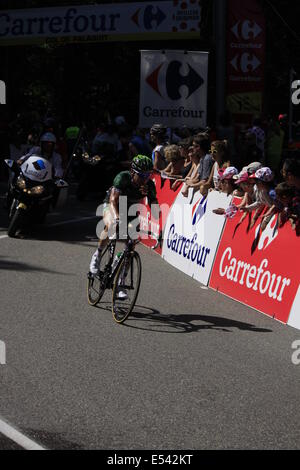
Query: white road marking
x=17, y=437
x=3, y=236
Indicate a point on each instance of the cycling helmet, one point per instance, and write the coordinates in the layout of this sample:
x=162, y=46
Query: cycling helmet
x=158, y=129
x=48, y=137
x=142, y=164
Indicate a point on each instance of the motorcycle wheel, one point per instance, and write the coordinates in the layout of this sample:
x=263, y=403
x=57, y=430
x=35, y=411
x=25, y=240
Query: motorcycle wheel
x=16, y=223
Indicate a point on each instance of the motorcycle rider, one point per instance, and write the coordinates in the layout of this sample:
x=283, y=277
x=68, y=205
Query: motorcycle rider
x=46, y=149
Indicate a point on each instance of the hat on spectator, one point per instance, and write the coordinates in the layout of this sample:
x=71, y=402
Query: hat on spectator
x=242, y=177
x=228, y=173
x=263, y=174
x=251, y=168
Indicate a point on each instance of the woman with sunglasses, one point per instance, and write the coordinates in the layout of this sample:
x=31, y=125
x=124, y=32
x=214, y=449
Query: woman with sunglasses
x=135, y=185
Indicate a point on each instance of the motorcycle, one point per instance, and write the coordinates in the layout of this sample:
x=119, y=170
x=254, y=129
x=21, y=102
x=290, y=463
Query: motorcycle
x=32, y=192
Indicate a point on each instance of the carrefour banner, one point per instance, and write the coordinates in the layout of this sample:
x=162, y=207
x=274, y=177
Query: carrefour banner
x=110, y=22
x=260, y=268
x=173, y=88
x=246, y=57
x=192, y=233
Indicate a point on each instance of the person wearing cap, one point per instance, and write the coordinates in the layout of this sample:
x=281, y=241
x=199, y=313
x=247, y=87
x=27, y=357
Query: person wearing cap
x=227, y=180
x=263, y=183
x=243, y=181
x=46, y=149
x=227, y=185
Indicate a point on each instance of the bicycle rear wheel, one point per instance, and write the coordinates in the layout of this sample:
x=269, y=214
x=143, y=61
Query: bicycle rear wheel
x=96, y=284
x=128, y=279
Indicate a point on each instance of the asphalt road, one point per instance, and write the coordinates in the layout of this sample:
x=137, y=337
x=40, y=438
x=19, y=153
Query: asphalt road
x=190, y=369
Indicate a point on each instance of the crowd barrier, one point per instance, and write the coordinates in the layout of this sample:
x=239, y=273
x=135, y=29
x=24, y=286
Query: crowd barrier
x=257, y=268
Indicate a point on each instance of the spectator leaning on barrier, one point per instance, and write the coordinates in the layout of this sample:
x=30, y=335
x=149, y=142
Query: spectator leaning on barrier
x=195, y=159
x=201, y=145
x=247, y=187
x=220, y=154
x=291, y=172
x=263, y=183
x=185, y=147
x=227, y=185
x=290, y=206
x=175, y=162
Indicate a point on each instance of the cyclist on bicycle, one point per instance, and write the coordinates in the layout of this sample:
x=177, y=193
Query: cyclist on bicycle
x=135, y=184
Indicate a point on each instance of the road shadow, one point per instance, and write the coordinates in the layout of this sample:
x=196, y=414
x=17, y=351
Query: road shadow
x=153, y=320
x=16, y=266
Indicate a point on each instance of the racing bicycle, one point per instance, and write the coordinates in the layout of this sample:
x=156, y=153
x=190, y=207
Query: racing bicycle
x=119, y=272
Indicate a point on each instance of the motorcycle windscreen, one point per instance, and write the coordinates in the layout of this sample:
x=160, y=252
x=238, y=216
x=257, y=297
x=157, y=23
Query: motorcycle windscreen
x=37, y=169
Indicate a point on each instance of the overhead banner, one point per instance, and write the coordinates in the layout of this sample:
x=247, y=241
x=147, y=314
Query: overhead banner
x=246, y=51
x=193, y=231
x=260, y=269
x=173, y=88
x=110, y=22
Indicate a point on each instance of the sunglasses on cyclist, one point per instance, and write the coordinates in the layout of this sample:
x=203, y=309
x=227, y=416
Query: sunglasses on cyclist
x=143, y=176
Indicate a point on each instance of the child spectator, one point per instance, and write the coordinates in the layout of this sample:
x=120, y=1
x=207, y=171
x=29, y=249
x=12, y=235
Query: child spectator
x=175, y=161
x=263, y=182
x=227, y=187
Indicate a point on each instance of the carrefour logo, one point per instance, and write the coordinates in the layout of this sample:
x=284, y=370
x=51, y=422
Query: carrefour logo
x=199, y=210
x=152, y=17
x=171, y=78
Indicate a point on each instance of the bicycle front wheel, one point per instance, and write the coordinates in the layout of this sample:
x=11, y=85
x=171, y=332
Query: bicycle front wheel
x=126, y=287
x=96, y=284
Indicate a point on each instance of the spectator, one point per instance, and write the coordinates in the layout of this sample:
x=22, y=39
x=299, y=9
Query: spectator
x=263, y=182
x=247, y=188
x=186, y=150
x=290, y=206
x=193, y=173
x=291, y=173
x=159, y=137
x=220, y=154
x=201, y=146
x=175, y=161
